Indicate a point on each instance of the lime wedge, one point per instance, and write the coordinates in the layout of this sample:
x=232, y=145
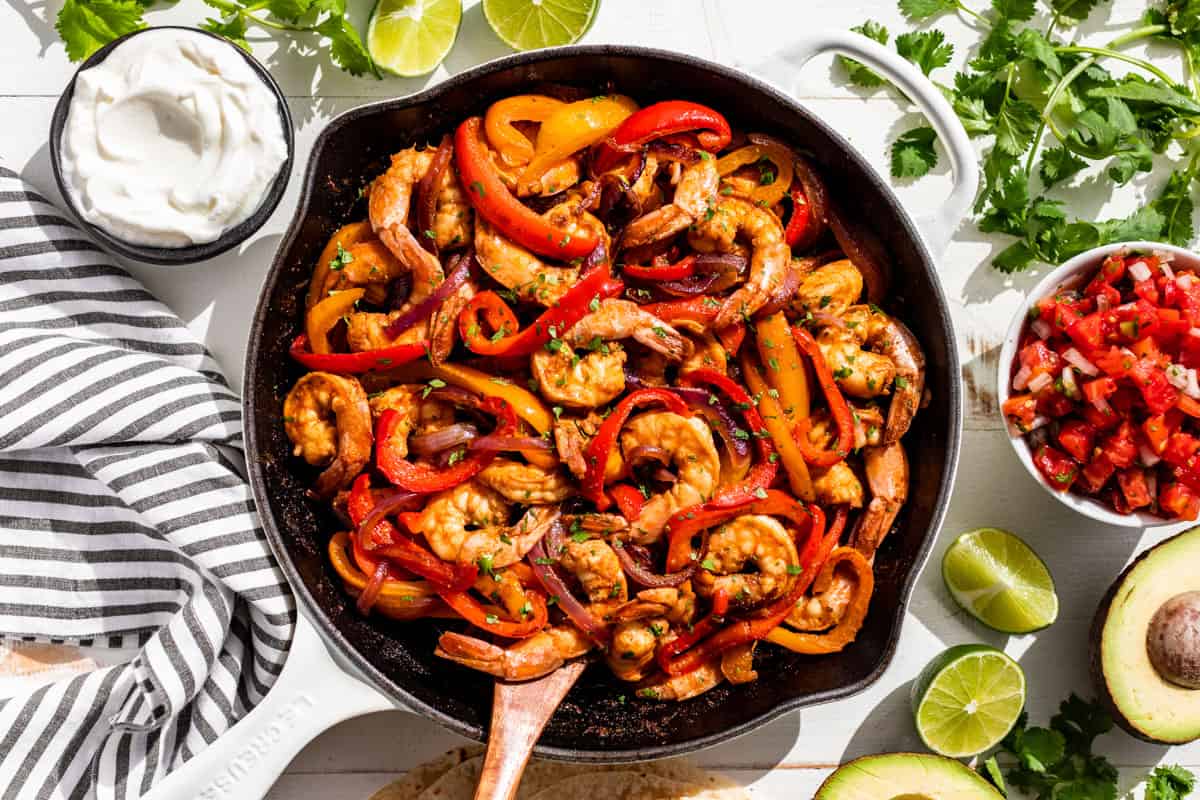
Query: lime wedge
x=967, y=700
x=411, y=37
x=1000, y=581
x=530, y=24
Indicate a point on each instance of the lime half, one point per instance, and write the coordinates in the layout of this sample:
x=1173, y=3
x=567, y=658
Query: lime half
x=530, y=24
x=967, y=699
x=1000, y=580
x=411, y=37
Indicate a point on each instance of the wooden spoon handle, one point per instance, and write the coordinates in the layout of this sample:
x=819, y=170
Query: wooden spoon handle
x=519, y=712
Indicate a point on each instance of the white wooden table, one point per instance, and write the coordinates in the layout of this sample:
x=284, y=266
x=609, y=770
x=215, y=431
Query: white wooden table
x=789, y=757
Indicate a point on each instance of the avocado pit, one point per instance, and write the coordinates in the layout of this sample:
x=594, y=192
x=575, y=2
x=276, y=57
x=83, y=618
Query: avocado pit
x=1173, y=640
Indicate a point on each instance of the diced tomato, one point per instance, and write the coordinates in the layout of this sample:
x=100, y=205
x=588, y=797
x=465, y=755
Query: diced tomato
x=1147, y=290
x=1180, y=449
x=1179, y=501
x=1168, y=290
x=1148, y=348
x=1114, y=361
x=1112, y=270
x=1087, y=332
x=1077, y=437
x=1054, y=404
x=1093, y=477
x=1135, y=320
x=1157, y=429
x=1134, y=487
x=1188, y=406
x=1099, y=389
x=1121, y=446
x=1171, y=325
x=1020, y=409
x=1100, y=420
x=1057, y=466
x=1156, y=390
x=1040, y=359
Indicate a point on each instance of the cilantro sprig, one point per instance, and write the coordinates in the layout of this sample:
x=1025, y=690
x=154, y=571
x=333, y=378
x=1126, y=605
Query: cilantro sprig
x=87, y=25
x=1049, y=109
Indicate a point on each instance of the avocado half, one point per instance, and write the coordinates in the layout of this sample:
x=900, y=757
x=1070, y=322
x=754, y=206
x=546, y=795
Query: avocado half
x=905, y=776
x=1141, y=700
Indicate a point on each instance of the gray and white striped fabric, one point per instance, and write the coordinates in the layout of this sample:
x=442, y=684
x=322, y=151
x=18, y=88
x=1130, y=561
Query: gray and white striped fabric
x=124, y=519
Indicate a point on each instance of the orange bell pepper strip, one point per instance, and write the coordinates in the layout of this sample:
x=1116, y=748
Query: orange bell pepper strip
x=773, y=186
x=847, y=628
x=776, y=424
x=488, y=617
x=343, y=239
x=596, y=455
x=572, y=128
x=491, y=198
x=838, y=408
x=514, y=147
x=785, y=369
x=321, y=318
x=528, y=407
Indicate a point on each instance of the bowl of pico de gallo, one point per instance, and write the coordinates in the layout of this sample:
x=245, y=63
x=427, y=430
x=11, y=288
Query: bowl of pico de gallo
x=1099, y=384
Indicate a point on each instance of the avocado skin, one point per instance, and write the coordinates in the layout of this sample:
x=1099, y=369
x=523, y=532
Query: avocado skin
x=1095, y=657
x=963, y=781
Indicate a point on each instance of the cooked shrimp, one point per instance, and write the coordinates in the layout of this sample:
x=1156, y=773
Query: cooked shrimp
x=769, y=259
x=470, y=521
x=594, y=564
x=329, y=423
x=452, y=215
x=683, y=687
x=571, y=437
x=367, y=265
x=749, y=539
x=633, y=647
x=837, y=485
x=443, y=325
x=694, y=197
x=689, y=442
x=417, y=414
x=387, y=209
x=367, y=330
x=526, y=483
x=707, y=353
x=823, y=610
x=539, y=655
x=831, y=288
x=887, y=476
x=508, y=545
x=598, y=377
x=647, y=603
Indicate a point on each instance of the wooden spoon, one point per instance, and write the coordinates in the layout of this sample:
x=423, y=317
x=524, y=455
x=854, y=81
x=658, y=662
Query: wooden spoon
x=519, y=713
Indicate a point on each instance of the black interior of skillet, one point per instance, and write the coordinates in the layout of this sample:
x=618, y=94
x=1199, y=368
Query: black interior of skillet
x=601, y=720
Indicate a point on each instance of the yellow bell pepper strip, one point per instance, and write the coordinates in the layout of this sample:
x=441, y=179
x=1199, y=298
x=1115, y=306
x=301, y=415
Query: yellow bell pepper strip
x=848, y=626
x=526, y=404
x=321, y=318
x=781, y=432
x=574, y=127
x=342, y=239
x=356, y=363
x=773, y=185
x=514, y=147
x=786, y=371
x=491, y=198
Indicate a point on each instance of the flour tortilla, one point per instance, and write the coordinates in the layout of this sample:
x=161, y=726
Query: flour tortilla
x=674, y=779
x=421, y=777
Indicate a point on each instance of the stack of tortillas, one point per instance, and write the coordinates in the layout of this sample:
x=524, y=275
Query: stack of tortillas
x=453, y=776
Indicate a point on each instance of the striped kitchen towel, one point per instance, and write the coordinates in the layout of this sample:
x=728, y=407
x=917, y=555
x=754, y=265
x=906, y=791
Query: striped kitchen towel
x=125, y=520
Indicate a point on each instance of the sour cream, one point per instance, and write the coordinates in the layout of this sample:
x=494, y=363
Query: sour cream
x=171, y=140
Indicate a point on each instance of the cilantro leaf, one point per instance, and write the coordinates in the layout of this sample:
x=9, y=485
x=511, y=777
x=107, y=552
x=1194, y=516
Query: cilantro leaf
x=1059, y=164
x=1133, y=155
x=1038, y=49
x=1016, y=123
x=345, y=47
x=913, y=153
x=973, y=114
x=290, y=10
x=858, y=73
x=1175, y=205
x=87, y=25
x=1074, y=9
x=927, y=49
x=1014, y=258
x=1170, y=783
x=1137, y=89
x=232, y=27
x=924, y=9
x=1019, y=10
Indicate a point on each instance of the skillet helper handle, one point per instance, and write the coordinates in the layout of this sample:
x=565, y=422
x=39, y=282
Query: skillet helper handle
x=311, y=695
x=519, y=713
x=939, y=226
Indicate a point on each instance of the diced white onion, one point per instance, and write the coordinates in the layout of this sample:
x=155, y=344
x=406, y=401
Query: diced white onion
x=1042, y=329
x=1103, y=303
x=1192, y=389
x=1148, y=456
x=1164, y=256
x=1070, y=386
x=1152, y=488
x=1139, y=271
x=1177, y=375
x=1021, y=379
x=1038, y=422
x=1101, y=404
x=1166, y=269
x=1040, y=382
x=1076, y=360
x=1185, y=280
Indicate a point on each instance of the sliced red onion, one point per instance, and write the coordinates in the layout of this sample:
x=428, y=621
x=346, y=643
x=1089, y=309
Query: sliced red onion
x=1148, y=457
x=370, y=592
x=1070, y=385
x=695, y=396
x=522, y=444
x=674, y=151
x=864, y=250
x=1076, y=360
x=430, y=444
x=1039, y=383
x=398, y=500
x=1021, y=379
x=1139, y=271
x=1042, y=329
x=818, y=203
x=665, y=475
x=1164, y=257
x=647, y=452
x=824, y=319
x=644, y=576
x=459, y=269
x=555, y=587
x=782, y=295
x=689, y=287
x=427, y=192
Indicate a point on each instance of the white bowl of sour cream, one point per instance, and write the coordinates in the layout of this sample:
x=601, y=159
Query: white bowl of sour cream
x=172, y=145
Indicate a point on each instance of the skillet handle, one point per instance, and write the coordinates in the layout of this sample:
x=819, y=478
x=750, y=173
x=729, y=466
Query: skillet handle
x=311, y=695
x=939, y=226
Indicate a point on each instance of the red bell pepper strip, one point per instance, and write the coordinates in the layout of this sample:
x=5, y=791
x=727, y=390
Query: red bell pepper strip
x=606, y=438
x=356, y=363
x=801, y=217
x=761, y=474
x=703, y=310
x=495, y=203
x=629, y=500
x=684, y=268
x=391, y=545
x=754, y=628
x=683, y=526
x=598, y=284
x=427, y=478
x=716, y=617
x=478, y=615
x=837, y=407
x=663, y=119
